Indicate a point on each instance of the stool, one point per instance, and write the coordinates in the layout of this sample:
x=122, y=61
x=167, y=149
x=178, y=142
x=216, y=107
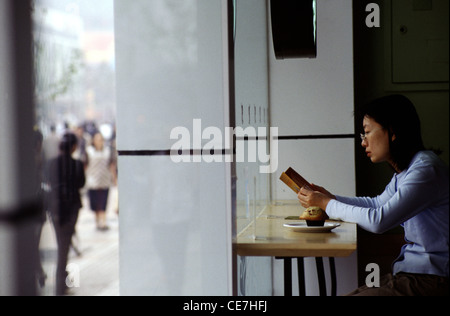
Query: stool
x=301, y=275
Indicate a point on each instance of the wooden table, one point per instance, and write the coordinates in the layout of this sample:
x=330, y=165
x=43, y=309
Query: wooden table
x=272, y=239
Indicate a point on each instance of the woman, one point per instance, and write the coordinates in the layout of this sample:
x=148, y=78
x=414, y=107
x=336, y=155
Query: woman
x=100, y=171
x=66, y=178
x=416, y=198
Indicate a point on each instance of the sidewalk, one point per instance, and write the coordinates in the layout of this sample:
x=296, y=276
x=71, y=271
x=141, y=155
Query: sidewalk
x=98, y=257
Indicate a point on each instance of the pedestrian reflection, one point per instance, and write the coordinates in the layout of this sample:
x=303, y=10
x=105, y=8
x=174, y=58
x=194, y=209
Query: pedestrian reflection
x=65, y=179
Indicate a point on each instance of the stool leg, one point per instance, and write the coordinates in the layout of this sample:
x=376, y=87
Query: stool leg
x=301, y=276
x=287, y=277
x=321, y=276
x=333, y=276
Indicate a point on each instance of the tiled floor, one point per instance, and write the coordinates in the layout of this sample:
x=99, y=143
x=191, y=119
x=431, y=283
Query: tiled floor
x=98, y=264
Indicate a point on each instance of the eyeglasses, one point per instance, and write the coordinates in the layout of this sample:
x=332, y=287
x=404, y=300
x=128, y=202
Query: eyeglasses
x=364, y=136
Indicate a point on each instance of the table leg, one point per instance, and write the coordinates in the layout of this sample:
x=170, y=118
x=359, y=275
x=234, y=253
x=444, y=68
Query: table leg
x=321, y=276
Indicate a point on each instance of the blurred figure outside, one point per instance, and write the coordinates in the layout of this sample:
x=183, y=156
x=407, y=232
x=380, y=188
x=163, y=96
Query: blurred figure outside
x=66, y=177
x=83, y=139
x=51, y=144
x=101, y=175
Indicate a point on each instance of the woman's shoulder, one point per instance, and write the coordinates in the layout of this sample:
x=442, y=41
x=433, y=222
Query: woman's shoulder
x=429, y=165
x=428, y=158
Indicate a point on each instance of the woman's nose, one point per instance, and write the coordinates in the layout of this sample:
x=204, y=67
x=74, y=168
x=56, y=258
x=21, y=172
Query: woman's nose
x=364, y=143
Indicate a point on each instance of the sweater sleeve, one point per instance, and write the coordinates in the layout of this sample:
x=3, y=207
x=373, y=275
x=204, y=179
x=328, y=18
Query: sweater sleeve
x=393, y=207
x=369, y=202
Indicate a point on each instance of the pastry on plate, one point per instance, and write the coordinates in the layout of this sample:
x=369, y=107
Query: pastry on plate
x=314, y=216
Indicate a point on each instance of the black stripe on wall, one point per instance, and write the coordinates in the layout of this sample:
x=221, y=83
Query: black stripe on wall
x=331, y=136
x=195, y=152
x=138, y=153
x=150, y=153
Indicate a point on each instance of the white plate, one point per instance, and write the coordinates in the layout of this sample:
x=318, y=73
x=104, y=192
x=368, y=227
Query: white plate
x=303, y=228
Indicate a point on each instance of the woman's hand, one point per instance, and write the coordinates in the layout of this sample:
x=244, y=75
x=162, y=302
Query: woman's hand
x=315, y=196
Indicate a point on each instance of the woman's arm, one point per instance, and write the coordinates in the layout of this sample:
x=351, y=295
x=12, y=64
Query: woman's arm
x=319, y=196
x=417, y=191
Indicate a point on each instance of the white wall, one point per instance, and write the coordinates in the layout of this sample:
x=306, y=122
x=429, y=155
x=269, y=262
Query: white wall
x=175, y=218
x=315, y=97
x=173, y=228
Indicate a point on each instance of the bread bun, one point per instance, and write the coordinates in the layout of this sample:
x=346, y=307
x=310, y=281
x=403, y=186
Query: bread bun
x=314, y=216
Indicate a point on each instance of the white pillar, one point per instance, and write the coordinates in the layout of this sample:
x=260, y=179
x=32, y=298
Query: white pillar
x=175, y=218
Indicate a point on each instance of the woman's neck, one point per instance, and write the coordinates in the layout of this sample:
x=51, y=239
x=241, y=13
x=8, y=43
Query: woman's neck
x=394, y=166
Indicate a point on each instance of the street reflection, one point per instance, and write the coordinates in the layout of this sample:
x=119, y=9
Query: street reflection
x=74, y=79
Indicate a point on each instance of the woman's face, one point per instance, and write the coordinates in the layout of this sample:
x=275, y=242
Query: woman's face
x=98, y=141
x=376, y=141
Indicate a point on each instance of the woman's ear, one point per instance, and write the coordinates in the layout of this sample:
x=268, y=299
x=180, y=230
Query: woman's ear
x=393, y=137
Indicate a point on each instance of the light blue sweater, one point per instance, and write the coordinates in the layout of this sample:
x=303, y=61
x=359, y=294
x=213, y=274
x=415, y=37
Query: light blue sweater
x=417, y=199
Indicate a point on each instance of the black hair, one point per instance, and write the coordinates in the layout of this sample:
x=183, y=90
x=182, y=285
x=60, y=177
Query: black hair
x=397, y=114
x=67, y=142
